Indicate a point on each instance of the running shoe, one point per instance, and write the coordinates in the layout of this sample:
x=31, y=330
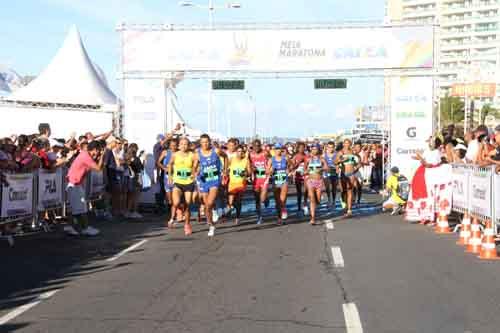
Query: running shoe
x=306, y=210
x=284, y=214
x=70, y=230
x=170, y=224
x=280, y=221
x=236, y=221
x=343, y=204
x=396, y=210
x=215, y=216
x=211, y=231
x=259, y=220
x=90, y=231
x=188, y=230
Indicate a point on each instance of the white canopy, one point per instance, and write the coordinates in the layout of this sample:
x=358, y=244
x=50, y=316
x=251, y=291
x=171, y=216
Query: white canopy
x=70, y=78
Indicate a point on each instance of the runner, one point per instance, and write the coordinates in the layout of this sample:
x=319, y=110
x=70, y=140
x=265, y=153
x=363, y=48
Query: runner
x=279, y=168
x=210, y=174
x=181, y=170
x=299, y=161
x=347, y=162
x=162, y=163
x=258, y=160
x=315, y=166
x=239, y=171
x=331, y=176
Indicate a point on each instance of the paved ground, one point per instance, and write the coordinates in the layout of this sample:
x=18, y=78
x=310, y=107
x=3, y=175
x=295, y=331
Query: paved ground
x=383, y=275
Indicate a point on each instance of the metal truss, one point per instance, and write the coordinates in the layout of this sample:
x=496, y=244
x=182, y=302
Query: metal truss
x=51, y=106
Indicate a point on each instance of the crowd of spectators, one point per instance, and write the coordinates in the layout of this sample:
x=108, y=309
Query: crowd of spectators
x=26, y=153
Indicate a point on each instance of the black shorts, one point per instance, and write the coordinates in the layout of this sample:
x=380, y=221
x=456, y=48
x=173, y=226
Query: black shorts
x=185, y=187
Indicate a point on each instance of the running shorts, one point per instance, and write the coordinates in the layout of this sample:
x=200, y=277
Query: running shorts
x=260, y=184
x=185, y=187
x=315, y=184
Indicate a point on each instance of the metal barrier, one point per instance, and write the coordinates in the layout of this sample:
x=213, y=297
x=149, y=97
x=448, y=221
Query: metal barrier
x=25, y=196
x=476, y=191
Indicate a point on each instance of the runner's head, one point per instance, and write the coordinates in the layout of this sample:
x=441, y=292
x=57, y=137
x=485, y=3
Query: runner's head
x=184, y=145
x=257, y=146
x=347, y=144
x=301, y=147
x=232, y=144
x=205, y=142
x=278, y=149
x=315, y=149
x=330, y=147
x=240, y=152
x=173, y=144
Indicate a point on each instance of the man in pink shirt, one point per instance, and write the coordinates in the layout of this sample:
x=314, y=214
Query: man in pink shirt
x=81, y=166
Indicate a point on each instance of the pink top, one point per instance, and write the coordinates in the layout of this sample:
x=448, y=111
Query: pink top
x=79, y=168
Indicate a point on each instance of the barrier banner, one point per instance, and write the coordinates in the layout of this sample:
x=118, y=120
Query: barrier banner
x=460, y=178
x=96, y=185
x=50, y=189
x=17, y=197
x=480, y=192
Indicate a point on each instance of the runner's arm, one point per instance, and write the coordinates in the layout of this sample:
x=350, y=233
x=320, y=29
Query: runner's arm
x=159, y=163
x=170, y=167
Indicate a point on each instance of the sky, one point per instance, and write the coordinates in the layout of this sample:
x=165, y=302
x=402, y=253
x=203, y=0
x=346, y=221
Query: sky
x=33, y=31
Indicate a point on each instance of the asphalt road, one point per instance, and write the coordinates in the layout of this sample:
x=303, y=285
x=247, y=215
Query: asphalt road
x=372, y=273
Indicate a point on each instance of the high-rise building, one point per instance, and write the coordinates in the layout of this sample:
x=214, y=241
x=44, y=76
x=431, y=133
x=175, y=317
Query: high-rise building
x=467, y=38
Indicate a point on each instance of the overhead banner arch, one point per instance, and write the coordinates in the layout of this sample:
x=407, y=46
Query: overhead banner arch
x=276, y=50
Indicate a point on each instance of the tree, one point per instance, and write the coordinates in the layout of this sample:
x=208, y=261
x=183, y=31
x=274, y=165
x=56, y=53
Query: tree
x=486, y=110
x=452, y=110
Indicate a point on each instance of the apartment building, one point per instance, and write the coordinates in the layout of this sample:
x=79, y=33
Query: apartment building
x=467, y=38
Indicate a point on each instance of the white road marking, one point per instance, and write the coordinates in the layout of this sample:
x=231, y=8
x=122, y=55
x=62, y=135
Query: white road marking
x=23, y=308
x=338, y=260
x=127, y=250
x=351, y=317
x=329, y=225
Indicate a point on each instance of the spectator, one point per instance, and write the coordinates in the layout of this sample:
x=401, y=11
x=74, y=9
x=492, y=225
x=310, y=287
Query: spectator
x=393, y=188
x=473, y=145
x=77, y=173
x=493, y=157
x=114, y=164
x=133, y=184
x=44, y=131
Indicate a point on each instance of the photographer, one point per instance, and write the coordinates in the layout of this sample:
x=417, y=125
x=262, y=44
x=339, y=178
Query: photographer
x=82, y=165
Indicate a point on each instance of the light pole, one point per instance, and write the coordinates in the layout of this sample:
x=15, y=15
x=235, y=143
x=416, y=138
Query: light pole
x=252, y=100
x=211, y=8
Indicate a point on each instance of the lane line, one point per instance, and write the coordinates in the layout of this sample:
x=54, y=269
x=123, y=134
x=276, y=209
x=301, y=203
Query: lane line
x=127, y=250
x=351, y=317
x=23, y=308
x=329, y=225
x=338, y=259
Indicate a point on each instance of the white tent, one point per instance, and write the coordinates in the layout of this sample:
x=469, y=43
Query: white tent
x=70, y=78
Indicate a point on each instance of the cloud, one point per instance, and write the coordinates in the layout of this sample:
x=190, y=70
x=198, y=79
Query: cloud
x=112, y=10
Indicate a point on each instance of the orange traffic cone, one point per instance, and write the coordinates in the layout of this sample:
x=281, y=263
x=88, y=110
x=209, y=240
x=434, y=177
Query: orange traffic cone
x=464, y=230
x=474, y=243
x=442, y=226
x=488, y=248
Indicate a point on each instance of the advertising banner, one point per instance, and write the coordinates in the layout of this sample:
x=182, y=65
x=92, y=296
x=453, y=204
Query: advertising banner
x=144, y=114
x=461, y=183
x=276, y=50
x=496, y=191
x=17, y=197
x=50, y=190
x=411, y=121
x=475, y=90
x=480, y=192
x=96, y=185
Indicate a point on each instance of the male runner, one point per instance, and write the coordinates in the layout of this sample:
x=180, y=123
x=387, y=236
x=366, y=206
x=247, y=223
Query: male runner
x=210, y=175
x=258, y=161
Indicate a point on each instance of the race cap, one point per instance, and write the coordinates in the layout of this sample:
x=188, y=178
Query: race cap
x=56, y=144
x=460, y=146
x=278, y=146
x=395, y=169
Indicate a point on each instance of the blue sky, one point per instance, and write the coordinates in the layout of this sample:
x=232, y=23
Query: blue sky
x=33, y=30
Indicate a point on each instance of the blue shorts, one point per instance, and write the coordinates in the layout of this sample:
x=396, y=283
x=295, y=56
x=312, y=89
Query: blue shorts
x=168, y=187
x=204, y=187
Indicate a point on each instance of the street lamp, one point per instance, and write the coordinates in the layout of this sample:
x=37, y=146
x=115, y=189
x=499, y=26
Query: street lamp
x=211, y=8
x=254, y=105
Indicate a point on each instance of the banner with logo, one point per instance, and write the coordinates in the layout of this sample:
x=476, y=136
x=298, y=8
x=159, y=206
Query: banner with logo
x=96, y=185
x=144, y=115
x=17, y=197
x=496, y=194
x=480, y=192
x=411, y=121
x=461, y=182
x=50, y=190
x=475, y=90
x=277, y=50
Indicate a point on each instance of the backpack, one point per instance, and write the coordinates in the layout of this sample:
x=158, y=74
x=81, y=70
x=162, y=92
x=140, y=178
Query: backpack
x=403, y=189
